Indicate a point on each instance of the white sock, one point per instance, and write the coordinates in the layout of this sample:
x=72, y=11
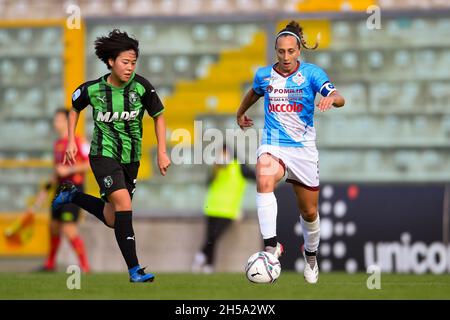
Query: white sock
x=267, y=214
x=311, y=234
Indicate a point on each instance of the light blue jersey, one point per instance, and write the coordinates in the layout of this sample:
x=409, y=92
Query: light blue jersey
x=289, y=103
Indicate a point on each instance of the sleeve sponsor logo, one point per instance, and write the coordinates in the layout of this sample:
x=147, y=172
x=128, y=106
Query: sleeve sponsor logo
x=76, y=94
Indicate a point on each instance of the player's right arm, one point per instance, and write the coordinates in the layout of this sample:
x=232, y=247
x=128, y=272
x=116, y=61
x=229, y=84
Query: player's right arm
x=71, y=149
x=250, y=98
x=242, y=119
x=80, y=100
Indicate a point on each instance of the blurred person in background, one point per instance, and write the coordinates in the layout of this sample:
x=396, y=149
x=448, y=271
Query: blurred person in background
x=119, y=100
x=64, y=219
x=288, y=144
x=222, y=204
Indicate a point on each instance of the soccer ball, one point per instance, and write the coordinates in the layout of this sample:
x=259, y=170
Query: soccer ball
x=263, y=267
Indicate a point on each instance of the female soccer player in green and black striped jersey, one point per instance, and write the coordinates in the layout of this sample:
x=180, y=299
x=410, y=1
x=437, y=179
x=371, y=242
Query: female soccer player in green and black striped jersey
x=119, y=100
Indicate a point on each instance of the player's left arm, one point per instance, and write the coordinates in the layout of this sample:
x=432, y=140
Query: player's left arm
x=322, y=84
x=334, y=99
x=160, y=130
x=152, y=103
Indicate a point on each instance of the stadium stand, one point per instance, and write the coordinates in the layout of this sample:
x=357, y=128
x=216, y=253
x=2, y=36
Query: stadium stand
x=404, y=110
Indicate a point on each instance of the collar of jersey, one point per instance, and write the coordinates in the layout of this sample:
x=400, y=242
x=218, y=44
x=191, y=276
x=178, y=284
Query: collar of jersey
x=290, y=74
x=114, y=87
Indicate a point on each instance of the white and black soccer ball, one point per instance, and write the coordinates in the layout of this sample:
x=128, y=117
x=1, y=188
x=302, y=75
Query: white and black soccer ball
x=263, y=267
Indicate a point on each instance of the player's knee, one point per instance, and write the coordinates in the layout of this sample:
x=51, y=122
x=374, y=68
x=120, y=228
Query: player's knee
x=309, y=214
x=121, y=201
x=265, y=184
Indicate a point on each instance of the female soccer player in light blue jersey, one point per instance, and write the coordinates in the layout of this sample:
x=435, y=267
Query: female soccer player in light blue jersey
x=288, y=144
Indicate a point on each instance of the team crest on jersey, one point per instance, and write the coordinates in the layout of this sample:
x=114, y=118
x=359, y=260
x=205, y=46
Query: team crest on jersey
x=133, y=97
x=298, y=78
x=108, y=181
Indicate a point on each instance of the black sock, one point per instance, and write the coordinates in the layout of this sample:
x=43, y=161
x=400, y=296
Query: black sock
x=208, y=250
x=271, y=242
x=123, y=229
x=91, y=204
x=215, y=228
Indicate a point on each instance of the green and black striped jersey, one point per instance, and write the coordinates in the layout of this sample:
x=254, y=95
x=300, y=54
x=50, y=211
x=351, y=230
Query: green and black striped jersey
x=117, y=114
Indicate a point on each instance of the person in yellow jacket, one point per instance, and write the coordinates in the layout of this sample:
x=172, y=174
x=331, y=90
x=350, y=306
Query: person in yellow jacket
x=222, y=204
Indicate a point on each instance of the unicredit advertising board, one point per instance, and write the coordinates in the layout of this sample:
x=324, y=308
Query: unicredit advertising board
x=399, y=228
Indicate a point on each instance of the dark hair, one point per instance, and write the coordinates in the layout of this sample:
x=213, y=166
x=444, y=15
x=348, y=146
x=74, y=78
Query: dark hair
x=63, y=111
x=111, y=46
x=295, y=28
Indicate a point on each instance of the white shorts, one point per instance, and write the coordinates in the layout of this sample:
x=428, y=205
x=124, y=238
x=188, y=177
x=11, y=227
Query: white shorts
x=300, y=163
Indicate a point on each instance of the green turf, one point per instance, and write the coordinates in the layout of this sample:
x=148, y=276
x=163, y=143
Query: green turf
x=181, y=286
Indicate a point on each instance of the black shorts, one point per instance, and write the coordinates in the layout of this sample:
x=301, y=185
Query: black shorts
x=111, y=175
x=68, y=212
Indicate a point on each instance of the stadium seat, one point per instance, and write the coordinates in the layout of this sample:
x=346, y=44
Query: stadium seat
x=190, y=7
x=373, y=161
x=226, y=32
x=402, y=61
x=142, y=7
x=5, y=37
x=96, y=8
x=168, y=7
x=375, y=59
x=119, y=6
x=54, y=66
x=342, y=30
x=200, y=32
x=324, y=59
x=409, y=96
x=350, y=60
x=432, y=160
x=8, y=68
x=50, y=37
x=446, y=126
x=25, y=36
x=155, y=64
x=19, y=9
x=31, y=67
x=181, y=64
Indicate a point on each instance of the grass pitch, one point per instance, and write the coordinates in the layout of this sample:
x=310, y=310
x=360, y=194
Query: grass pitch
x=223, y=286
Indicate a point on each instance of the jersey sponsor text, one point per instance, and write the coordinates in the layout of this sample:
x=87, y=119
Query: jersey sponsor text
x=113, y=116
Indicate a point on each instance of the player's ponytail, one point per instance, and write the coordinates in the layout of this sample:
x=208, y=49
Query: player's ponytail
x=294, y=29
